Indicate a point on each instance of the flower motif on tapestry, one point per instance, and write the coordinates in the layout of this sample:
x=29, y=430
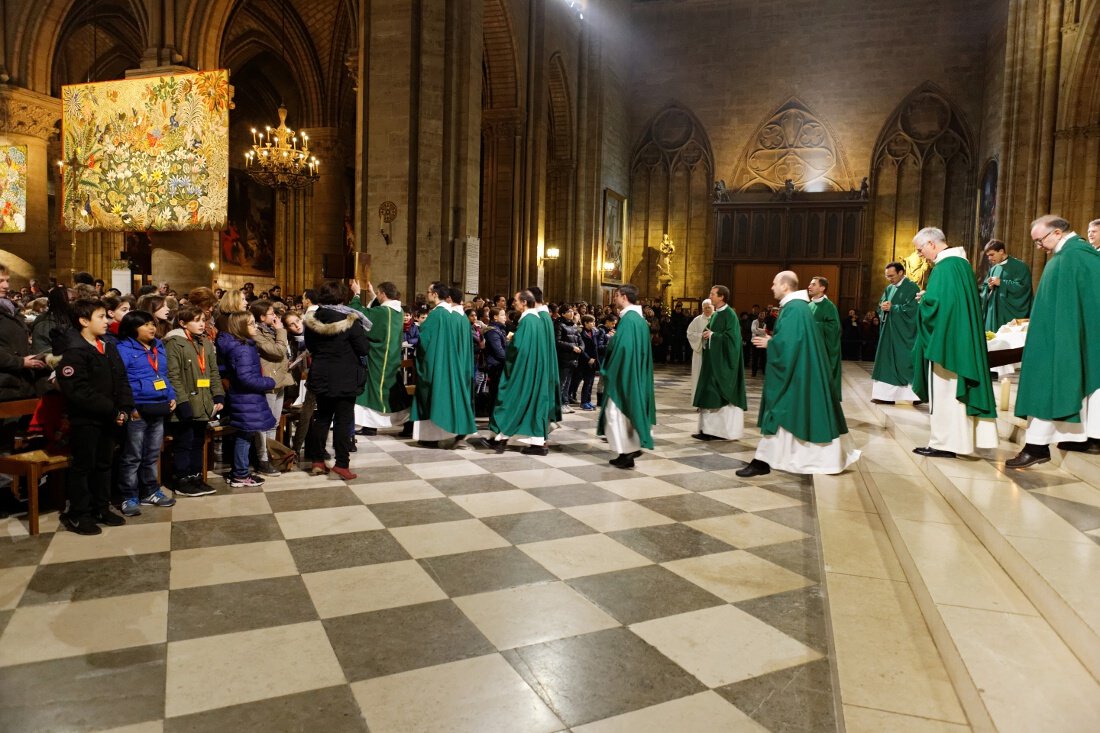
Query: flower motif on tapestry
x=13, y=189
x=147, y=154
x=793, y=144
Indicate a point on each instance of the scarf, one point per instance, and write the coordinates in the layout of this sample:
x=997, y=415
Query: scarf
x=348, y=310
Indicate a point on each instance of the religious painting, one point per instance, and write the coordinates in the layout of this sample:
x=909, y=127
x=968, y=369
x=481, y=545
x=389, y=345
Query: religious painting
x=247, y=243
x=613, y=234
x=13, y=189
x=146, y=154
x=987, y=203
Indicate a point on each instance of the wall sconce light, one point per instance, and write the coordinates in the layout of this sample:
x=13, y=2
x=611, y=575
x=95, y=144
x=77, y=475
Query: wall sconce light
x=213, y=267
x=608, y=266
x=387, y=212
x=552, y=253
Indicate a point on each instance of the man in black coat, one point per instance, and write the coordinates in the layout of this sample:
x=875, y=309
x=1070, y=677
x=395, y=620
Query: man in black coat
x=17, y=364
x=570, y=348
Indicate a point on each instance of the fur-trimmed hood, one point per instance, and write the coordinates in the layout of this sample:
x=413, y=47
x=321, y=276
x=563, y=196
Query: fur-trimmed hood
x=329, y=328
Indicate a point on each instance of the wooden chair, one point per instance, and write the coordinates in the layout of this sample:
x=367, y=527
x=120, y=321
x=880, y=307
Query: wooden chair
x=28, y=467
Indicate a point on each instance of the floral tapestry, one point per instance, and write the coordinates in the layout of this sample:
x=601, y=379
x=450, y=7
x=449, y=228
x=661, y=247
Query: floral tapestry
x=147, y=154
x=13, y=188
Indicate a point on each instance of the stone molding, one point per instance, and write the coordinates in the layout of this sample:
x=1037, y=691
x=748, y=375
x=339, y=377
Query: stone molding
x=23, y=112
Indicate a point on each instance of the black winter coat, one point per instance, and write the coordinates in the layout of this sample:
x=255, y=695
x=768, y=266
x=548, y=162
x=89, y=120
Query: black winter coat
x=16, y=382
x=338, y=347
x=95, y=385
x=496, y=347
x=567, y=335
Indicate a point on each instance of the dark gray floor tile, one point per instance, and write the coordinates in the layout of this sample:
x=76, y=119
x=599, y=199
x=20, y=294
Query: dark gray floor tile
x=799, y=614
x=1081, y=516
x=479, y=484
x=101, y=578
x=420, y=511
x=795, y=700
x=511, y=461
x=575, y=495
x=320, y=498
x=331, y=552
x=686, y=507
x=599, y=472
x=801, y=518
x=331, y=709
x=798, y=490
x=92, y=692
x=667, y=542
x=485, y=570
x=595, y=676
x=23, y=550
x=801, y=556
x=381, y=474
x=5, y=616
x=551, y=524
x=701, y=480
x=221, y=609
x=225, y=531
x=640, y=594
x=427, y=455
x=396, y=640
x=712, y=462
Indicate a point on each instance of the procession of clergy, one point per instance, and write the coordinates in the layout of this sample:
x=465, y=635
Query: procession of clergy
x=932, y=349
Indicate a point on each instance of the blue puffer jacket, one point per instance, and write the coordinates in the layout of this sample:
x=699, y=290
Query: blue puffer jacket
x=248, y=410
x=140, y=371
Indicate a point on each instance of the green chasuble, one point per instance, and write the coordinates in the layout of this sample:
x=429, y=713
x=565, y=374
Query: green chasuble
x=950, y=333
x=463, y=341
x=546, y=321
x=1062, y=355
x=627, y=374
x=384, y=392
x=442, y=395
x=827, y=319
x=894, y=358
x=798, y=395
x=523, y=403
x=1011, y=299
x=722, y=373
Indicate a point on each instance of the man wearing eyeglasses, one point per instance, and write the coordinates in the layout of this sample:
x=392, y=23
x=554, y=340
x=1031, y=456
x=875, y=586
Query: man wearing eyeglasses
x=950, y=360
x=1060, y=374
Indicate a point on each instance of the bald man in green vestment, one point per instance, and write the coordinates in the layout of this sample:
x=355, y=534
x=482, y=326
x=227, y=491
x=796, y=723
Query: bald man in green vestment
x=1006, y=292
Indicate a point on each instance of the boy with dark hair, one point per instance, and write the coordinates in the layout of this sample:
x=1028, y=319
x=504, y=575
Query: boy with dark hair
x=593, y=343
x=97, y=393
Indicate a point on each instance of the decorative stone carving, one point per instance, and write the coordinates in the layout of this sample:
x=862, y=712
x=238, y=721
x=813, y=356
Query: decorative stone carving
x=793, y=144
x=24, y=112
x=924, y=125
x=674, y=139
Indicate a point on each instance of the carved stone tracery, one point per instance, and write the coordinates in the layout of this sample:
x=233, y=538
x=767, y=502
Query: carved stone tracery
x=793, y=143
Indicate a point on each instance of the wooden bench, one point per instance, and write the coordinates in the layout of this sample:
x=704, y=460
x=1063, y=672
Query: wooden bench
x=28, y=467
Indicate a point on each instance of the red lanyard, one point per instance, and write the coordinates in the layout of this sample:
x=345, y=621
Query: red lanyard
x=154, y=360
x=200, y=354
x=99, y=346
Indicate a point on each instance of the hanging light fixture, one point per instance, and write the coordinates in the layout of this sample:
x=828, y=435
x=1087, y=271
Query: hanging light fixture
x=279, y=157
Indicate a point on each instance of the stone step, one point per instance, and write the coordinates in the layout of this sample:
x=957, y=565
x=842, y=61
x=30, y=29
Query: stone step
x=1006, y=585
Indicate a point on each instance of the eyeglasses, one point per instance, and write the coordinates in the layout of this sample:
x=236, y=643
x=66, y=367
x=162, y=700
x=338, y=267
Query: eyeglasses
x=1039, y=242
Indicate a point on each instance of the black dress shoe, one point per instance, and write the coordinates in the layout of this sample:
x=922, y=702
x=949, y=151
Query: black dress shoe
x=933, y=452
x=1027, y=458
x=428, y=443
x=498, y=446
x=1088, y=446
x=917, y=403
x=109, y=518
x=704, y=436
x=368, y=431
x=882, y=402
x=624, y=460
x=755, y=468
x=635, y=454
x=535, y=450
x=406, y=431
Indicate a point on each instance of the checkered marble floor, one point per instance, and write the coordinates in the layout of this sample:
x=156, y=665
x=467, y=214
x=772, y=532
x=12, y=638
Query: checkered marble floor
x=449, y=590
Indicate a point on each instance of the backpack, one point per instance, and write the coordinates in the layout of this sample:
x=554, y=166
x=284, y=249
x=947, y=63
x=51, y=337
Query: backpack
x=281, y=456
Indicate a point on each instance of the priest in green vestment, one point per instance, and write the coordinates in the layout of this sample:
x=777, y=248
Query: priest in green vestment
x=1060, y=375
x=384, y=402
x=950, y=358
x=720, y=391
x=827, y=319
x=1006, y=292
x=546, y=323
x=464, y=343
x=442, y=409
x=629, y=409
x=802, y=426
x=522, y=406
x=897, y=311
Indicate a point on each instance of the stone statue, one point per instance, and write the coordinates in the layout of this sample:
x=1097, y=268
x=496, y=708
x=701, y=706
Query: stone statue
x=787, y=192
x=721, y=193
x=664, y=267
x=864, y=189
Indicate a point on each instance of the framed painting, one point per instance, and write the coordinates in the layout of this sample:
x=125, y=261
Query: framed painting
x=247, y=243
x=13, y=189
x=146, y=154
x=612, y=236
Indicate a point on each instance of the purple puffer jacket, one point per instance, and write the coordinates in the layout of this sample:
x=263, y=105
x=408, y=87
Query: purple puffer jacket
x=245, y=400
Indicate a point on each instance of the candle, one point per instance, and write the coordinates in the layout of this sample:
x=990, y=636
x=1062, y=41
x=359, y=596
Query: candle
x=1006, y=393
x=253, y=135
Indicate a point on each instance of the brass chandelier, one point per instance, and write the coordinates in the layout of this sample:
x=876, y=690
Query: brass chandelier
x=281, y=159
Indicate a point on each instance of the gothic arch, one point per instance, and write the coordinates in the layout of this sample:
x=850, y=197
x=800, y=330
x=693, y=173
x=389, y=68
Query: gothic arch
x=923, y=170
x=671, y=177
x=559, y=177
x=793, y=143
x=561, y=110
x=501, y=90
x=117, y=45
x=1076, y=192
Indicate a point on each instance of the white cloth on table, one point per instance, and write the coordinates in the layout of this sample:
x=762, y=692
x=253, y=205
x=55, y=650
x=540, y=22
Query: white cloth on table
x=726, y=422
x=892, y=392
x=785, y=452
x=1046, y=432
x=620, y=432
x=951, y=428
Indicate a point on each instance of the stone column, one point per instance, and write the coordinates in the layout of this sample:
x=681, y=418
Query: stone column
x=29, y=118
x=327, y=206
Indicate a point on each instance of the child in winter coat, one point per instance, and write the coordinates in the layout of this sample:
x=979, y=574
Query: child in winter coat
x=98, y=399
x=193, y=373
x=146, y=365
x=246, y=400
